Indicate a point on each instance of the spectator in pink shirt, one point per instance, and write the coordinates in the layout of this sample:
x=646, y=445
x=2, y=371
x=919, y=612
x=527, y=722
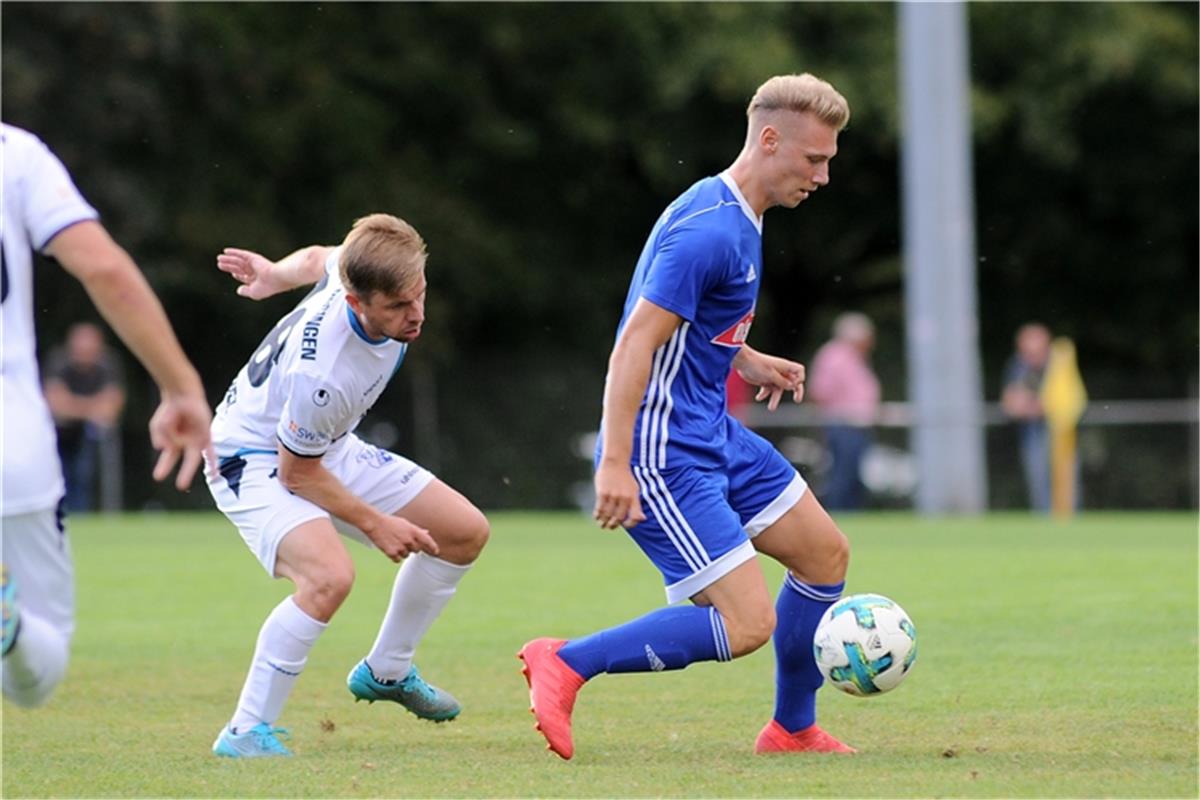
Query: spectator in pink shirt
x=842, y=383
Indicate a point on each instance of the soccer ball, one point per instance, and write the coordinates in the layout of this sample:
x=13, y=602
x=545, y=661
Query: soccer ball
x=865, y=644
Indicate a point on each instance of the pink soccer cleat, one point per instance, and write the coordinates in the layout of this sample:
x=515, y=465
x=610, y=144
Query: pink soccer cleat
x=552, y=689
x=775, y=739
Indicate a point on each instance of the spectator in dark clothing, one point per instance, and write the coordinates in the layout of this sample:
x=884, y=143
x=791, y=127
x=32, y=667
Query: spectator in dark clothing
x=1022, y=403
x=85, y=389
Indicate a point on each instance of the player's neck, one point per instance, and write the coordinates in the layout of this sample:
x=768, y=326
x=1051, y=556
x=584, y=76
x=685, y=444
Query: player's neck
x=743, y=174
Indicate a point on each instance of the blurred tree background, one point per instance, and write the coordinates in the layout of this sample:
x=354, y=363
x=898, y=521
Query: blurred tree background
x=534, y=145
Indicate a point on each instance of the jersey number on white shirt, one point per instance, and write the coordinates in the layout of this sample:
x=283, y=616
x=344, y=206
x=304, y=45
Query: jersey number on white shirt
x=268, y=353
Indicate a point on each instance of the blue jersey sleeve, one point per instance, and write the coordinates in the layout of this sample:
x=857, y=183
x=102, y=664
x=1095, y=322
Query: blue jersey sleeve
x=687, y=263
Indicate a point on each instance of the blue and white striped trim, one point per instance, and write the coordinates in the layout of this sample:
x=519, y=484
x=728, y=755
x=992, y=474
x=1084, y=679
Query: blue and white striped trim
x=823, y=594
x=249, y=451
x=710, y=574
x=656, y=414
x=719, y=204
x=778, y=507
x=720, y=637
x=674, y=524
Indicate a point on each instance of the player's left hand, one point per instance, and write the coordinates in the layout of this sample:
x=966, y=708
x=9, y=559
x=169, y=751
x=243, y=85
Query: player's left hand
x=181, y=427
x=617, y=494
x=773, y=376
x=254, y=272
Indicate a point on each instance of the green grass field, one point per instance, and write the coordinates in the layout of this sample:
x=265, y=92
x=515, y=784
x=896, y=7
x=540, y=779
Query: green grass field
x=1056, y=660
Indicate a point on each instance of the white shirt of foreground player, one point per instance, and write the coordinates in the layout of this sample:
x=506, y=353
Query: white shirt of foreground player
x=40, y=201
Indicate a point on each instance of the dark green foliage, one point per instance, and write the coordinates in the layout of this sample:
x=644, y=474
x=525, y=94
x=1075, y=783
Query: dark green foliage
x=534, y=144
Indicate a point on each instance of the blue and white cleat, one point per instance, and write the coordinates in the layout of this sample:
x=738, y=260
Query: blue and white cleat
x=258, y=742
x=422, y=699
x=8, y=601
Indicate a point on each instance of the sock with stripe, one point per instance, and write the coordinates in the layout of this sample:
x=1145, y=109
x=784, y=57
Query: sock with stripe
x=279, y=657
x=797, y=611
x=668, y=638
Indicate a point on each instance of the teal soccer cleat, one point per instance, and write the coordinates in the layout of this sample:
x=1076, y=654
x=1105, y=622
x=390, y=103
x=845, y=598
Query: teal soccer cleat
x=12, y=620
x=427, y=702
x=258, y=742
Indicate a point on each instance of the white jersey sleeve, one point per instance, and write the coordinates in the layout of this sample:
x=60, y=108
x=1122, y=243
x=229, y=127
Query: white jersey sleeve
x=39, y=201
x=312, y=415
x=49, y=200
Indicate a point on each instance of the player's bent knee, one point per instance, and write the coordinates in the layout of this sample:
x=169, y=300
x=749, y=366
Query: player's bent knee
x=470, y=535
x=478, y=532
x=325, y=591
x=747, y=635
x=825, y=563
x=837, y=558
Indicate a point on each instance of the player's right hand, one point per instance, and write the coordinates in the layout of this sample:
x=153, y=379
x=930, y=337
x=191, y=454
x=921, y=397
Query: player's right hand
x=252, y=270
x=398, y=538
x=180, y=427
x=617, y=497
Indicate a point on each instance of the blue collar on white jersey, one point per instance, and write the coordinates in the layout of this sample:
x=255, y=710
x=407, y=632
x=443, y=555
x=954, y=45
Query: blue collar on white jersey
x=357, y=327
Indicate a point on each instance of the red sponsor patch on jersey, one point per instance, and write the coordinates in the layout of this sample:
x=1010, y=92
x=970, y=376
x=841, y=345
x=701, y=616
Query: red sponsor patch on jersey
x=736, y=335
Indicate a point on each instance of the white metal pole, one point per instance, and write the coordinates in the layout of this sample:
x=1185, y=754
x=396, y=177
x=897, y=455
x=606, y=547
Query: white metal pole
x=939, y=256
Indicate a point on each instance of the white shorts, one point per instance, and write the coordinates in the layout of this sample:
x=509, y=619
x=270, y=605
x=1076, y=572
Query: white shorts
x=37, y=554
x=249, y=492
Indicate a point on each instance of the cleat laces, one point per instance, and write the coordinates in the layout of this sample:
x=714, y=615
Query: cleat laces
x=413, y=684
x=266, y=738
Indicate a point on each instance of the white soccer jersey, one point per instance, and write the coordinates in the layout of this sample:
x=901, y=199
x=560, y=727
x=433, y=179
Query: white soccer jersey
x=311, y=380
x=39, y=201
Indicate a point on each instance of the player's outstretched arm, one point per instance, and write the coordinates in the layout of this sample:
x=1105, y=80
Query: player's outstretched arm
x=647, y=328
x=180, y=427
x=261, y=277
x=771, y=374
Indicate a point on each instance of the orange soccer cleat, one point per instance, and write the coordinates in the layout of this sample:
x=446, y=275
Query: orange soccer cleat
x=552, y=689
x=775, y=739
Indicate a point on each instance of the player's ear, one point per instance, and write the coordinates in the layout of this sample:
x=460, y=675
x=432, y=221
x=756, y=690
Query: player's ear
x=768, y=139
x=354, y=302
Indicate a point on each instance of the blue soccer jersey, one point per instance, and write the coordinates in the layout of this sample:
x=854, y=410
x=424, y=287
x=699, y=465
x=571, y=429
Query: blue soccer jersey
x=702, y=262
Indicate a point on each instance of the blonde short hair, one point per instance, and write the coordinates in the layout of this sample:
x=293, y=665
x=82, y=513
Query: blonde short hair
x=802, y=93
x=381, y=253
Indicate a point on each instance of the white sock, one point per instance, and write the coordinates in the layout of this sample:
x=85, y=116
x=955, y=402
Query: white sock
x=424, y=585
x=279, y=657
x=36, y=663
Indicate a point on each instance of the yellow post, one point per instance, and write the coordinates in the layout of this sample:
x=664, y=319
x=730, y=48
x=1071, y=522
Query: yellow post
x=1064, y=399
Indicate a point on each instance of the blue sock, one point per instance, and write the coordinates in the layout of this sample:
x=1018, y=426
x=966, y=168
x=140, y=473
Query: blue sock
x=797, y=611
x=669, y=638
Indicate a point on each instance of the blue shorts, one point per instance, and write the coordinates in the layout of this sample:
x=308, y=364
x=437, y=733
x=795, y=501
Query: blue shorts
x=700, y=520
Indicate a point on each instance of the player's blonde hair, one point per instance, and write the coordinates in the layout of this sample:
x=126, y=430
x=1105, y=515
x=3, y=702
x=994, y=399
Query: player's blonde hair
x=801, y=93
x=381, y=253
